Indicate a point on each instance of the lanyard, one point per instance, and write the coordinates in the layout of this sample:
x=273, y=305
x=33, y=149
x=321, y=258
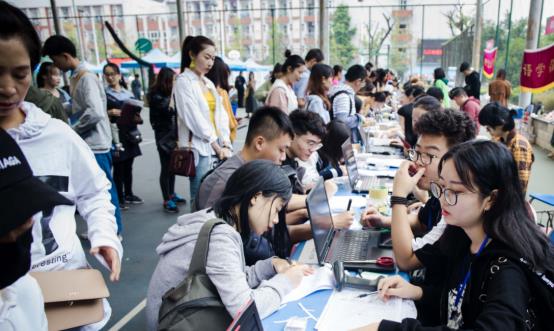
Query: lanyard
x=462, y=285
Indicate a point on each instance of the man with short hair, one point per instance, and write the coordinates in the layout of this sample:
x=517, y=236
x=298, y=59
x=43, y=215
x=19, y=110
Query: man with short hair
x=90, y=116
x=136, y=86
x=467, y=104
x=500, y=89
x=313, y=57
x=269, y=135
x=473, y=83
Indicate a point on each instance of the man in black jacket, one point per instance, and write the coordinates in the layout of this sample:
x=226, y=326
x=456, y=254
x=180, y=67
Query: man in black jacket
x=473, y=83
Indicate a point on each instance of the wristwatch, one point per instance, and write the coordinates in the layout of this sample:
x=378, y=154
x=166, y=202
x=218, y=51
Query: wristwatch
x=396, y=200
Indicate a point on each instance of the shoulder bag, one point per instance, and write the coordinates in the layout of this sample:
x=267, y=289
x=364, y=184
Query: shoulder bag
x=181, y=162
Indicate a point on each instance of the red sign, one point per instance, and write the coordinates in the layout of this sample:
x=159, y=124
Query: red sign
x=549, y=25
x=488, y=62
x=432, y=52
x=537, y=70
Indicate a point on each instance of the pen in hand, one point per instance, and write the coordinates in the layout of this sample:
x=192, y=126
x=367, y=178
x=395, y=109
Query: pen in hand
x=349, y=204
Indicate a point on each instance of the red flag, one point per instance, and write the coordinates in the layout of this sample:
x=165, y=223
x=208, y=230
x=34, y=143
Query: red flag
x=537, y=70
x=488, y=62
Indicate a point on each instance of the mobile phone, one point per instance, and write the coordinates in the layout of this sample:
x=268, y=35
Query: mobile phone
x=412, y=170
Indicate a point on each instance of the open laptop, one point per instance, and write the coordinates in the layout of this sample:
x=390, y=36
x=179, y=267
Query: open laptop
x=337, y=244
x=358, y=183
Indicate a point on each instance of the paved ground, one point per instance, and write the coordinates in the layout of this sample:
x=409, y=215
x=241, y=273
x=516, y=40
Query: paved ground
x=145, y=224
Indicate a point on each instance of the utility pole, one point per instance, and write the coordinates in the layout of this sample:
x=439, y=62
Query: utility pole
x=324, y=29
x=180, y=21
x=476, y=56
x=507, y=59
x=497, y=24
x=533, y=24
x=55, y=16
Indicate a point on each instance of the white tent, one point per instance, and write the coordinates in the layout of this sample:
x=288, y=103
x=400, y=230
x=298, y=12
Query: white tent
x=251, y=65
x=156, y=57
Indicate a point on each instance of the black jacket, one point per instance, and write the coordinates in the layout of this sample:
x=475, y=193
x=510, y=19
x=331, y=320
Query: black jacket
x=473, y=85
x=161, y=116
x=502, y=303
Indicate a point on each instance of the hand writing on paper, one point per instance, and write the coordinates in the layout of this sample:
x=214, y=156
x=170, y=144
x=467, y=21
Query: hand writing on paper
x=397, y=286
x=112, y=259
x=297, y=272
x=404, y=183
x=281, y=265
x=343, y=220
x=371, y=218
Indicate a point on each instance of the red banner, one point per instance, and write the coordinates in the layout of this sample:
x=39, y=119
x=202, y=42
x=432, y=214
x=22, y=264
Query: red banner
x=537, y=70
x=488, y=62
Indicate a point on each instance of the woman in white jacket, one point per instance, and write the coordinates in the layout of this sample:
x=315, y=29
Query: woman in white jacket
x=57, y=156
x=202, y=122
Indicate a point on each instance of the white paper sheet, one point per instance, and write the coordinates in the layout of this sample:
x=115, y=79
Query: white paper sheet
x=388, y=173
x=382, y=162
x=345, y=311
x=322, y=279
x=308, y=254
x=339, y=204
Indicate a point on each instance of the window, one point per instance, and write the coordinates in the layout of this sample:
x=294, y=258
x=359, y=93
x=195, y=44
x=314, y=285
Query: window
x=311, y=27
x=65, y=12
x=153, y=35
x=98, y=10
x=282, y=8
x=117, y=10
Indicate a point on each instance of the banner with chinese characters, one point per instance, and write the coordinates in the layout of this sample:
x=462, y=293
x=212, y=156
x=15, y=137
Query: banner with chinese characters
x=537, y=70
x=488, y=62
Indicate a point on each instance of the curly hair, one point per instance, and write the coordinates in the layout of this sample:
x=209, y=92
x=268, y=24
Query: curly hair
x=454, y=125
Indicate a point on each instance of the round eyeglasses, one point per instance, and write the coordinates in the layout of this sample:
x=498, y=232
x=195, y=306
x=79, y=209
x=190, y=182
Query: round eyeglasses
x=451, y=197
x=425, y=158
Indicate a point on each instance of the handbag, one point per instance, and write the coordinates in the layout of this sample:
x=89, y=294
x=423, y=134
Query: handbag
x=195, y=303
x=181, y=162
x=133, y=136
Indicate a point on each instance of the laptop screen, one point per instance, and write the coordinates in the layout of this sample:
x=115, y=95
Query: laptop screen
x=350, y=161
x=320, y=218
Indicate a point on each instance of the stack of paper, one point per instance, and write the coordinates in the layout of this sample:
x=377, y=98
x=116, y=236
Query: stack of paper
x=322, y=279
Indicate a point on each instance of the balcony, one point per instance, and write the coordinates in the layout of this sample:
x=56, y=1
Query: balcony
x=309, y=18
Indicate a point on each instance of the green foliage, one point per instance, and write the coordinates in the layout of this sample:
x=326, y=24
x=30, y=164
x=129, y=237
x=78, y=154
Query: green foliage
x=276, y=39
x=547, y=99
x=342, y=50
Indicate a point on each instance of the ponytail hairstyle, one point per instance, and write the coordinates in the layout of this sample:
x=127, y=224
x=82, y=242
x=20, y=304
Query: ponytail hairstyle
x=292, y=61
x=489, y=168
x=318, y=73
x=494, y=114
x=276, y=69
x=193, y=45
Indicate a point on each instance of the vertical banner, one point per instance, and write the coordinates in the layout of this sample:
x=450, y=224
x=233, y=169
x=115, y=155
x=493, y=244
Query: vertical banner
x=537, y=70
x=488, y=62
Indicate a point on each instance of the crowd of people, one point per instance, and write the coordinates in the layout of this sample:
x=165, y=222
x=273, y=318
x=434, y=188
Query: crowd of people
x=458, y=201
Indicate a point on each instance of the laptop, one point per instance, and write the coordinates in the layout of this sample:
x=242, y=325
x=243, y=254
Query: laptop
x=358, y=183
x=338, y=244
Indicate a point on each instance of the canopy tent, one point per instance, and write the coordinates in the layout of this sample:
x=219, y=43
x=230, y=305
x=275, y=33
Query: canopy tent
x=156, y=57
x=234, y=65
x=176, y=60
x=251, y=65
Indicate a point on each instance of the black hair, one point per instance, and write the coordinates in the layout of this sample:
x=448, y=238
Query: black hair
x=315, y=53
x=489, y=168
x=304, y=122
x=219, y=74
x=464, y=66
x=164, y=82
x=380, y=96
x=44, y=70
x=381, y=75
x=292, y=61
x=501, y=74
x=193, y=45
x=15, y=24
x=454, y=125
x=57, y=44
x=494, y=114
x=428, y=103
x=276, y=68
x=270, y=123
x=457, y=92
x=355, y=72
x=436, y=93
x=337, y=69
x=115, y=67
x=319, y=72
x=337, y=133
x=416, y=91
x=258, y=176
x=439, y=73
x=368, y=66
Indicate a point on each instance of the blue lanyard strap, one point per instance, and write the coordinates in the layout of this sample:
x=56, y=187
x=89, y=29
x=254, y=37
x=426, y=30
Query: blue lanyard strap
x=462, y=285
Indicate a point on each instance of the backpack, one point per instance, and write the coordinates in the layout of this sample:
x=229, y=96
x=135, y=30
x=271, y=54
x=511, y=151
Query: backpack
x=355, y=134
x=195, y=303
x=332, y=99
x=541, y=286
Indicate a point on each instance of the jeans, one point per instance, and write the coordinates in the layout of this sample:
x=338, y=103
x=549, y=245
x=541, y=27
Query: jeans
x=104, y=160
x=123, y=178
x=167, y=180
x=204, y=165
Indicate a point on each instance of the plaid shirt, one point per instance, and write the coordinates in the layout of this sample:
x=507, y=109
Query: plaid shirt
x=523, y=155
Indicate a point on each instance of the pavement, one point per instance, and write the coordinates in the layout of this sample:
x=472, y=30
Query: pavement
x=144, y=226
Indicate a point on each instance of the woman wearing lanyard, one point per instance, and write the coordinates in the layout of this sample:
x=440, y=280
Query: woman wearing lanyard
x=486, y=251
x=202, y=123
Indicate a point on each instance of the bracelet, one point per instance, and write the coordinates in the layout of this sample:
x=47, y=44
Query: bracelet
x=396, y=200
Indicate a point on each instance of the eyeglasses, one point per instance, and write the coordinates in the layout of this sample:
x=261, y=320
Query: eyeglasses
x=312, y=145
x=425, y=158
x=451, y=197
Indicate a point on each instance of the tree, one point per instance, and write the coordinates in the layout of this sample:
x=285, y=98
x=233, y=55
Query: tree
x=457, y=20
x=276, y=39
x=377, y=36
x=342, y=50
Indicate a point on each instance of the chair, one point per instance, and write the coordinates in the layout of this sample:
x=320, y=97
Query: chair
x=546, y=199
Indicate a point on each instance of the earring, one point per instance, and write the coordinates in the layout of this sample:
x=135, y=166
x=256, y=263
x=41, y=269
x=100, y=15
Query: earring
x=192, y=64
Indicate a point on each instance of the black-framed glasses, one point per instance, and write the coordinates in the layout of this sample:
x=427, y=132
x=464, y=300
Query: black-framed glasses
x=425, y=158
x=451, y=197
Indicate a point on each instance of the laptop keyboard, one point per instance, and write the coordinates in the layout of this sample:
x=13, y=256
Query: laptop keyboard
x=353, y=246
x=366, y=182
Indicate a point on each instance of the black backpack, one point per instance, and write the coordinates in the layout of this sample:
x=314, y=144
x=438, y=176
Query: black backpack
x=195, y=303
x=332, y=99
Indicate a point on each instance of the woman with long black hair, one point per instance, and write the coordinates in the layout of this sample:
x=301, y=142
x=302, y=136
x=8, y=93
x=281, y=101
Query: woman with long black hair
x=319, y=84
x=489, y=252
x=253, y=197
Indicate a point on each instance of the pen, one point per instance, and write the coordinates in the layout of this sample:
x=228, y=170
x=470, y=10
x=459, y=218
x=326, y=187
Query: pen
x=363, y=295
x=349, y=204
x=291, y=262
